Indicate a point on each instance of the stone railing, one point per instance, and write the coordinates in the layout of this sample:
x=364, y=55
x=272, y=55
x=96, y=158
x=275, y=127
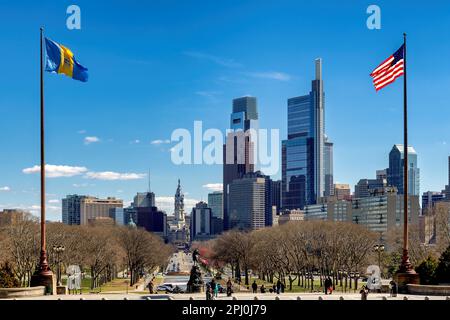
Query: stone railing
x=432, y=290
x=9, y=293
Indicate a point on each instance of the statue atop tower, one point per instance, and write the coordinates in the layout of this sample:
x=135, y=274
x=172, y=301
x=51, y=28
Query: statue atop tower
x=179, y=206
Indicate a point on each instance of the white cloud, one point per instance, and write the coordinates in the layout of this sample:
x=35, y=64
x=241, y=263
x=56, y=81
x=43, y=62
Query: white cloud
x=158, y=142
x=82, y=185
x=81, y=131
x=213, y=186
x=109, y=175
x=89, y=140
x=53, y=201
x=127, y=203
x=230, y=63
x=135, y=141
x=167, y=203
x=5, y=188
x=56, y=171
x=274, y=75
x=208, y=94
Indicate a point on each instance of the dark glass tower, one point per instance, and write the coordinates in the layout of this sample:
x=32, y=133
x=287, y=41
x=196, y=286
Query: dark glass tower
x=395, y=170
x=303, y=153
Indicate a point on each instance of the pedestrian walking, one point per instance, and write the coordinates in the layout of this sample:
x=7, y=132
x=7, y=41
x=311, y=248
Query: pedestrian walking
x=278, y=287
x=229, y=288
x=212, y=286
x=328, y=285
x=216, y=290
x=150, y=287
x=208, y=291
x=282, y=287
x=393, y=285
x=263, y=289
x=254, y=287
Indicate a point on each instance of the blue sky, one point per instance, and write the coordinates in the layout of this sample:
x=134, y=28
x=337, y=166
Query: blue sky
x=156, y=66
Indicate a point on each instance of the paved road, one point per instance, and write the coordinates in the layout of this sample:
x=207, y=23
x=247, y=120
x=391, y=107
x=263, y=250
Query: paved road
x=180, y=262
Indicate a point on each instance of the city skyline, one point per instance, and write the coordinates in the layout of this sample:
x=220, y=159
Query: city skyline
x=111, y=132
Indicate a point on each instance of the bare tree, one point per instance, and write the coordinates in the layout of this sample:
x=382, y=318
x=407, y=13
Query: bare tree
x=21, y=245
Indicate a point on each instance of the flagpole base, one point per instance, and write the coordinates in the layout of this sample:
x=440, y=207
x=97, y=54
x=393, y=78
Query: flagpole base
x=403, y=279
x=43, y=276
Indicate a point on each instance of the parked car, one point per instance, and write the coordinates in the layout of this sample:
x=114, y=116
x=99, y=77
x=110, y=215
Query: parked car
x=177, y=289
x=166, y=287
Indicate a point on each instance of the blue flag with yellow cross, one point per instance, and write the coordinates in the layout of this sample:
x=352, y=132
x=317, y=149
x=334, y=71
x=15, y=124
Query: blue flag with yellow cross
x=59, y=59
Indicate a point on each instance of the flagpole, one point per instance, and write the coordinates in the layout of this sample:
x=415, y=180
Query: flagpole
x=43, y=272
x=43, y=259
x=405, y=266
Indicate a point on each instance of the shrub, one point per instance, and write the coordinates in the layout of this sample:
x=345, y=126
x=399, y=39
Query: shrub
x=427, y=270
x=7, y=278
x=443, y=268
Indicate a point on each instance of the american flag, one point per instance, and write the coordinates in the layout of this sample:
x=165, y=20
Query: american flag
x=389, y=70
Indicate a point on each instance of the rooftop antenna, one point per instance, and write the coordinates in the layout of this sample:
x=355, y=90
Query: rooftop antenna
x=149, y=187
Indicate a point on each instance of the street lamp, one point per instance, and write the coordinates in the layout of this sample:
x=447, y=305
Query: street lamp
x=379, y=248
x=58, y=251
x=356, y=280
x=350, y=275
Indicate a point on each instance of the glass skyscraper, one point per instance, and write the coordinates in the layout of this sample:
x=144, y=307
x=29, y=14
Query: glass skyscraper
x=395, y=170
x=303, y=153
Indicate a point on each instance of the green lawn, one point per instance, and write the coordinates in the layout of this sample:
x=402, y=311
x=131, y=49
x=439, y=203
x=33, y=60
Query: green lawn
x=85, y=284
x=115, y=285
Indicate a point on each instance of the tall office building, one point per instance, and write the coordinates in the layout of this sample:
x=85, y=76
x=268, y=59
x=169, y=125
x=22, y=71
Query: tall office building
x=144, y=200
x=395, y=170
x=342, y=191
x=268, y=200
x=247, y=197
x=119, y=217
x=92, y=208
x=381, y=174
x=238, y=149
x=215, y=202
x=429, y=198
x=201, y=222
x=152, y=220
x=71, y=209
x=275, y=194
x=303, y=153
x=379, y=214
x=328, y=168
x=369, y=187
